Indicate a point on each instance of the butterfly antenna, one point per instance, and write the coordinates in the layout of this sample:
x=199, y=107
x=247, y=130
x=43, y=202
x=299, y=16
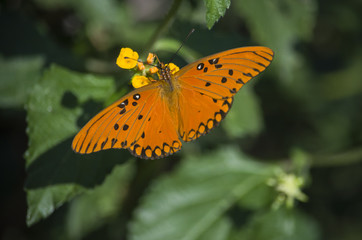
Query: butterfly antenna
x=183, y=42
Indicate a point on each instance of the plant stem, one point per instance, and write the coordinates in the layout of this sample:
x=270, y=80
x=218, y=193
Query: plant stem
x=164, y=25
x=341, y=159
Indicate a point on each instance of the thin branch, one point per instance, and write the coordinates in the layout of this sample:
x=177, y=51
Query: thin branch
x=340, y=159
x=164, y=25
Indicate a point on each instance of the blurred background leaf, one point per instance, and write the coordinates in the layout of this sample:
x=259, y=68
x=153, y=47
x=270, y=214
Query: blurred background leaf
x=245, y=118
x=104, y=202
x=280, y=224
x=19, y=75
x=187, y=204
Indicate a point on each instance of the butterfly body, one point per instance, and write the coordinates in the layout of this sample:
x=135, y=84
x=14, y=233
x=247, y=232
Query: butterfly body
x=152, y=120
x=169, y=88
x=166, y=78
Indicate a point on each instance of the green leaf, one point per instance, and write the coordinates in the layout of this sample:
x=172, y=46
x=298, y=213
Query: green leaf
x=43, y=201
x=282, y=224
x=55, y=104
x=245, y=116
x=18, y=75
x=219, y=230
x=188, y=203
x=105, y=202
x=214, y=10
x=60, y=103
x=259, y=197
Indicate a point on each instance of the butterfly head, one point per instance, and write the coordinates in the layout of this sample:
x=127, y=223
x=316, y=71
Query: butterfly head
x=146, y=72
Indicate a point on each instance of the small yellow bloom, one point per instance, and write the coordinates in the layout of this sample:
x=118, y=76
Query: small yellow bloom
x=127, y=58
x=140, y=81
x=140, y=66
x=153, y=70
x=150, y=58
x=173, y=68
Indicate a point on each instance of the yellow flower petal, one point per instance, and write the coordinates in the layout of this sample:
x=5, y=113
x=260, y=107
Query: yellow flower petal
x=173, y=68
x=153, y=70
x=140, y=66
x=140, y=81
x=127, y=58
x=150, y=58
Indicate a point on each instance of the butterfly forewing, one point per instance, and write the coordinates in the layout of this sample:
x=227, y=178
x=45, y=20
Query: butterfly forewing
x=126, y=124
x=101, y=131
x=221, y=75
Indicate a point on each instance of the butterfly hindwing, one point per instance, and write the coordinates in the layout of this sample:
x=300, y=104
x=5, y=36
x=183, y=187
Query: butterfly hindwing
x=206, y=112
x=159, y=136
x=222, y=75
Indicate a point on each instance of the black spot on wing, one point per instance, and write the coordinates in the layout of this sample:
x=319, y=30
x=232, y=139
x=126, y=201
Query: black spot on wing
x=94, y=147
x=233, y=91
x=247, y=74
x=205, y=127
x=104, y=143
x=136, y=96
x=114, y=140
x=123, y=104
x=240, y=81
x=213, y=61
x=200, y=66
x=157, y=152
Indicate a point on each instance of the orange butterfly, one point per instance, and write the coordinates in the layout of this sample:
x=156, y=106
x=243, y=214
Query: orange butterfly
x=151, y=120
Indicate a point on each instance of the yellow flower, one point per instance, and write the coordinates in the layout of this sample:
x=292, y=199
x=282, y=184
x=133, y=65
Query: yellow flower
x=127, y=58
x=173, y=68
x=150, y=58
x=153, y=70
x=140, y=81
x=140, y=66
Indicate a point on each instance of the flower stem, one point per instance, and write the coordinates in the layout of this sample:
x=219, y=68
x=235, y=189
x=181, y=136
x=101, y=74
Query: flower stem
x=164, y=25
x=349, y=157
